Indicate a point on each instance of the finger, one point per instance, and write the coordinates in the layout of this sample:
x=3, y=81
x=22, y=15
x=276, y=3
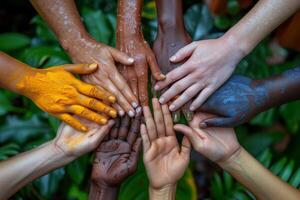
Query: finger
x=87, y=114
x=80, y=68
x=185, y=97
x=177, y=88
x=115, y=129
x=219, y=122
x=134, y=130
x=185, y=147
x=192, y=135
x=121, y=57
x=173, y=76
x=168, y=121
x=151, y=129
x=184, y=52
x=121, y=100
x=134, y=156
x=95, y=91
x=119, y=109
x=123, y=87
x=145, y=138
x=156, y=73
x=205, y=93
x=186, y=112
x=67, y=118
x=133, y=80
x=158, y=118
x=97, y=137
x=124, y=126
x=142, y=81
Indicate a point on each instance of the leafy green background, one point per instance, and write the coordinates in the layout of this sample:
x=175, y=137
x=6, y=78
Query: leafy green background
x=272, y=136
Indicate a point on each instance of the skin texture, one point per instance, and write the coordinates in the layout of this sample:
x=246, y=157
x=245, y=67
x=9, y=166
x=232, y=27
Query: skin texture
x=164, y=160
x=209, y=63
x=171, y=36
x=63, y=18
x=56, y=91
x=220, y=145
x=241, y=98
x=116, y=159
x=130, y=40
x=69, y=144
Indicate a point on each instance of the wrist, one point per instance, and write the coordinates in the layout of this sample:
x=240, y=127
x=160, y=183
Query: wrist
x=166, y=192
x=233, y=161
x=102, y=191
x=60, y=156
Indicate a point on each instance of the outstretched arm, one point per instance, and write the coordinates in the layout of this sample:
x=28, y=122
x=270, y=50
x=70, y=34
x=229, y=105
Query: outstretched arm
x=220, y=145
x=64, y=19
x=241, y=98
x=209, y=63
x=69, y=144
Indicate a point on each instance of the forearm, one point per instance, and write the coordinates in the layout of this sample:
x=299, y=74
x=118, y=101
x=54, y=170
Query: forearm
x=11, y=71
x=129, y=19
x=263, y=18
x=64, y=19
x=166, y=193
x=259, y=180
x=280, y=89
x=169, y=15
x=18, y=171
x=101, y=192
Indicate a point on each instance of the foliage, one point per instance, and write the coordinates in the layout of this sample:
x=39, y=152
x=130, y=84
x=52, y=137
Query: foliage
x=23, y=126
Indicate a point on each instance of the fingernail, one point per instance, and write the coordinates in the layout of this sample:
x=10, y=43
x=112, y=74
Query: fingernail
x=131, y=60
x=161, y=100
x=83, y=128
x=203, y=125
x=93, y=66
x=113, y=113
x=156, y=87
x=112, y=99
x=172, y=107
x=173, y=58
x=192, y=108
x=138, y=110
x=131, y=113
x=103, y=121
x=134, y=104
x=121, y=113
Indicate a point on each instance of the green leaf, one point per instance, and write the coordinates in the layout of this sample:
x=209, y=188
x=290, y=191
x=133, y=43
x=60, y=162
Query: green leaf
x=217, y=187
x=233, y=7
x=77, y=168
x=266, y=118
x=277, y=167
x=291, y=117
x=42, y=30
x=287, y=171
x=13, y=41
x=5, y=104
x=76, y=193
x=198, y=21
x=222, y=22
x=8, y=150
x=295, y=180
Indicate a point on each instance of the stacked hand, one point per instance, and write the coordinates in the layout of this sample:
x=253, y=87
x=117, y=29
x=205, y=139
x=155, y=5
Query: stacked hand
x=56, y=91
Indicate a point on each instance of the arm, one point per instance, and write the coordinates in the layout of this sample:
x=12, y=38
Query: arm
x=69, y=144
x=171, y=36
x=165, y=161
x=57, y=91
x=130, y=40
x=209, y=63
x=64, y=19
x=116, y=159
x=220, y=145
x=241, y=98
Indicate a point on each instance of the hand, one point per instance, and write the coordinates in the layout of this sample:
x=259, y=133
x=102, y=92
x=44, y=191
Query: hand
x=107, y=75
x=56, y=91
x=117, y=157
x=217, y=144
x=167, y=43
x=137, y=76
x=164, y=160
x=237, y=101
x=209, y=64
x=74, y=143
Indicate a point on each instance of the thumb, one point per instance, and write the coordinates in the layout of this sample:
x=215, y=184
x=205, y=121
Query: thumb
x=121, y=57
x=184, y=52
x=185, y=146
x=156, y=73
x=190, y=133
x=80, y=68
x=219, y=122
